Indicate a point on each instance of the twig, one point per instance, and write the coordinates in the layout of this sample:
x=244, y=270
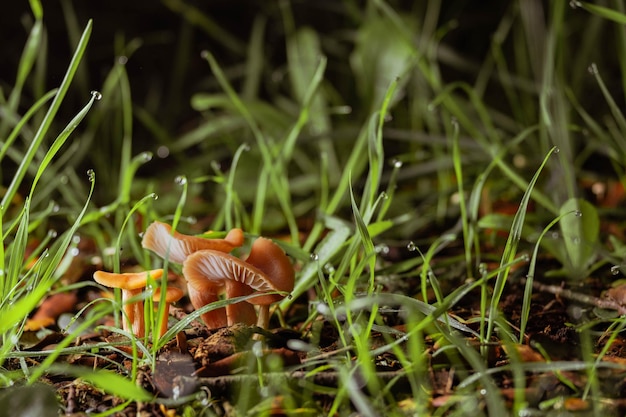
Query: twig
x=606, y=303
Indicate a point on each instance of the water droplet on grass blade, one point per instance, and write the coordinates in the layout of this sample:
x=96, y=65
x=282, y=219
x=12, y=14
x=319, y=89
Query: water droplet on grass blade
x=615, y=270
x=180, y=180
x=593, y=69
x=122, y=59
x=52, y=233
x=96, y=95
x=556, y=150
x=382, y=248
x=411, y=246
x=574, y=4
x=91, y=174
x=145, y=157
x=314, y=257
x=396, y=163
x=578, y=213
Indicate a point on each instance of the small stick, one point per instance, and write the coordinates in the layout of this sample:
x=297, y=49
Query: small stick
x=559, y=291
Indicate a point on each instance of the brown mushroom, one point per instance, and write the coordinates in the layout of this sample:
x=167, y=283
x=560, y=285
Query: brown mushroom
x=177, y=246
x=172, y=294
x=272, y=260
x=131, y=284
x=209, y=272
x=267, y=269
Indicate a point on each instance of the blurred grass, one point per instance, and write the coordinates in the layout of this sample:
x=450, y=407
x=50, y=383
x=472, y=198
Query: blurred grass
x=356, y=133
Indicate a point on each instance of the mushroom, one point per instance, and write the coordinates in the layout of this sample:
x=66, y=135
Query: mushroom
x=131, y=284
x=209, y=272
x=177, y=246
x=272, y=260
x=172, y=294
x=266, y=269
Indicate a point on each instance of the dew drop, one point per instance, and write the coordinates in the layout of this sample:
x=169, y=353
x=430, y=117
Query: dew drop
x=96, y=95
x=384, y=195
x=323, y=309
x=63, y=179
x=246, y=147
x=314, y=257
x=396, y=163
x=329, y=268
x=163, y=151
x=593, y=69
x=55, y=208
x=74, y=252
x=615, y=270
x=192, y=220
x=204, y=54
x=525, y=257
x=155, y=196
x=52, y=233
x=554, y=235
x=145, y=157
x=382, y=249
x=482, y=269
x=576, y=240
x=578, y=213
x=574, y=4
x=91, y=174
x=76, y=239
x=122, y=59
x=180, y=180
x=411, y=246
x=519, y=160
x=556, y=150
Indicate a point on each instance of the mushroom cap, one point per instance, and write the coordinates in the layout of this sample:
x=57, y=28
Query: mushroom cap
x=211, y=266
x=266, y=269
x=127, y=280
x=177, y=246
x=268, y=257
x=172, y=294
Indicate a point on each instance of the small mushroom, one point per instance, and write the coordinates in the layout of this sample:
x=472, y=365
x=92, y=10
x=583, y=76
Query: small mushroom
x=208, y=273
x=131, y=284
x=177, y=246
x=272, y=260
x=266, y=269
x=172, y=294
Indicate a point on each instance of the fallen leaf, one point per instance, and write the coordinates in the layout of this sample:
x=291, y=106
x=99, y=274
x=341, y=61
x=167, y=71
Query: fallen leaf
x=50, y=309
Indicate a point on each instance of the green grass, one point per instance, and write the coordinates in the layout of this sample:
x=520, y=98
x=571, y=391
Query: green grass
x=358, y=146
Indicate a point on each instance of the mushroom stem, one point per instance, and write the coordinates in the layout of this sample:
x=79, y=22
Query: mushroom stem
x=264, y=316
x=239, y=312
x=133, y=312
x=201, y=295
x=172, y=294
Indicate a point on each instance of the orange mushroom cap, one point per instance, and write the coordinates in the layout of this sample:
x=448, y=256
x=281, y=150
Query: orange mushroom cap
x=127, y=280
x=130, y=283
x=177, y=246
x=270, y=259
x=172, y=294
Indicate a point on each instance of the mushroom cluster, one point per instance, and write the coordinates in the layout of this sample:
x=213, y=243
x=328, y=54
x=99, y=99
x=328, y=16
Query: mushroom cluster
x=211, y=270
x=132, y=285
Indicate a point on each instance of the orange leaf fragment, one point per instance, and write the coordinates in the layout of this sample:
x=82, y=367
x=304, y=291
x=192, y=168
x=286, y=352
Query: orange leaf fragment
x=50, y=309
